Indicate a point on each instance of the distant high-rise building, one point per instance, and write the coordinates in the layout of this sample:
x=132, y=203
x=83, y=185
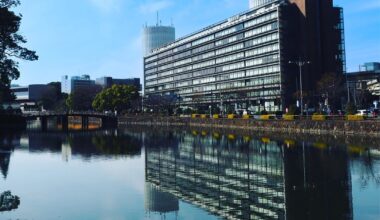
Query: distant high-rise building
x=157, y=36
x=258, y=3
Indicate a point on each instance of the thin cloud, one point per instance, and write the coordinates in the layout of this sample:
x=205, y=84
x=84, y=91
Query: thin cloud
x=151, y=7
x=106, y=5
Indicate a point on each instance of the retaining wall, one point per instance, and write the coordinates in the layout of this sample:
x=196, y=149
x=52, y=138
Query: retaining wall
x=336, y=127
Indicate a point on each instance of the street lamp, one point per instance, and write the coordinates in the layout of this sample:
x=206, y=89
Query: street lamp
x=300, y=63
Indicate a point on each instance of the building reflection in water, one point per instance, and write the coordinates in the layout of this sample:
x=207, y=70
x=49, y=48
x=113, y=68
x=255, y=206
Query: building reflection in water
x=244, y=178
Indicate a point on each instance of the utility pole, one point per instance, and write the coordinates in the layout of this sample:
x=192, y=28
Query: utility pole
x=300, y=63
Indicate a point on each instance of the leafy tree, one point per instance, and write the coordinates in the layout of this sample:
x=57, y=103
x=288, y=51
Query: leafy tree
x=81, y=99
x=118, y=97
x=10, y=49
x=162, y=104
x=331, y=88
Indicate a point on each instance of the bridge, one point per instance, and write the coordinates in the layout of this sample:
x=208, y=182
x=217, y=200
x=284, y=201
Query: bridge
x=107, y=120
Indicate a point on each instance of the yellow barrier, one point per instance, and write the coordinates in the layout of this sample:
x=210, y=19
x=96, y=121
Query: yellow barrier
x=318, y=118
x=246, y=116
x=288, y=117
x=320, y=145
x=231, y=116
x=203, y=116
x=231, y=137
x=194, y=116
x=265, y=140
x=215, y=116
x=264, y=117
x=355, y=117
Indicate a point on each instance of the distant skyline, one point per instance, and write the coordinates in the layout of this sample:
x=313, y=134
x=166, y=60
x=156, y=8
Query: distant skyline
x=104, y=37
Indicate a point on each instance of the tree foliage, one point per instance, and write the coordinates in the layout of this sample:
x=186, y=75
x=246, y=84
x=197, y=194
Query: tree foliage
x=118, y=97
x=10, y=49
x=162, y=104
x=331, y=88
x=81, y=99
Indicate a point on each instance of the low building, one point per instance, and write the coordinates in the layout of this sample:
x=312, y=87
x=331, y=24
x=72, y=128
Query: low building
x=107, y=82
x=363, y=81
x=70, y=85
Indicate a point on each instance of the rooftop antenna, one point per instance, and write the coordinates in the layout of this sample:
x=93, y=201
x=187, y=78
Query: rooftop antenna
x=157, y=19
x=171, y=21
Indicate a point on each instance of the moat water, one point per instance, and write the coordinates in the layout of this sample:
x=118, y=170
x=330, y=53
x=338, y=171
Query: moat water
x=141, y=173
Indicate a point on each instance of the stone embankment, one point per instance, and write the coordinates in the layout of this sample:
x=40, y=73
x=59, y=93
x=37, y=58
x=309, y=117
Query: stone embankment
x=333, y=127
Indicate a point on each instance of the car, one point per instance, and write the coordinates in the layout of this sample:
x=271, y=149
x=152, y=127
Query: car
x=363, y=112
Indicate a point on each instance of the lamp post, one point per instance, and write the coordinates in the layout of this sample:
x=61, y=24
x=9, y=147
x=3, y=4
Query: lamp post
x=300, y=63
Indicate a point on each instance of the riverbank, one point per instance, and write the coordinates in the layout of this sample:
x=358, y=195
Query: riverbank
x=369, y=128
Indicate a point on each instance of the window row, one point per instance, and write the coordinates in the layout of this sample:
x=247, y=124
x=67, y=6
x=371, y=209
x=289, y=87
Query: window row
x=180, y=48
x=183, y=69
x=228, y=76
x=261, y=40
x=260, y=20
x=264, y=81
x=263, y=70
x=184, y=83
x=203, y=40
x=229, y=40
x=204, y=64
x=262, y=50
x=204, y=72
x=229, y=58
x=203, y=80
x=229, y=30
x=249, y=43
x=260, y=93
x=229, y=49
x=262, y=29
x=204, y=56
x=182, y=62
x=262, y=60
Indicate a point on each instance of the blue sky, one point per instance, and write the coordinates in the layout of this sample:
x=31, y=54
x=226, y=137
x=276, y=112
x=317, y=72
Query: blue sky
x=104, y=37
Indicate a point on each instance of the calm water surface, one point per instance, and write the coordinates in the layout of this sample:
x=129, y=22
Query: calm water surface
x=162, y=174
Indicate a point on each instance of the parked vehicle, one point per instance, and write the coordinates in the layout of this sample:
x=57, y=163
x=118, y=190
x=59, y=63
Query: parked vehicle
x=363, y=112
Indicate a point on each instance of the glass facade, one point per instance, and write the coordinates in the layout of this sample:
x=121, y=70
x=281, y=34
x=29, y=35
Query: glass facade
x=223, y=65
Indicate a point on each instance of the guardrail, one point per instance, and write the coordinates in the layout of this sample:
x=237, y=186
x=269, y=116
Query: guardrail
x=283, y=117
x=69, y=113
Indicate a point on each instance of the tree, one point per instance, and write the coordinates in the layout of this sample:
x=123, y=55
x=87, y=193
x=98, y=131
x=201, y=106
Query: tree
x=162, y=104
x=10, y=49
x=81, y=99
x=118, y=97
x=330, y=89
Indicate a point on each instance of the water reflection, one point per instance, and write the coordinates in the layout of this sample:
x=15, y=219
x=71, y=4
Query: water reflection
x=228, y=175
x=85, y=144
x=255, y=178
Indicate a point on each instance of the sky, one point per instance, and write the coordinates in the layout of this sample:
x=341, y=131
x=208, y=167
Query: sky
x=104, y=37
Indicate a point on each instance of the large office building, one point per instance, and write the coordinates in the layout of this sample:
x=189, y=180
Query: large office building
x=243, y=61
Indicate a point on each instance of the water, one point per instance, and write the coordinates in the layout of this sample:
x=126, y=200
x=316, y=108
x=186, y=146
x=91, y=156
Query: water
x=139, y=173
